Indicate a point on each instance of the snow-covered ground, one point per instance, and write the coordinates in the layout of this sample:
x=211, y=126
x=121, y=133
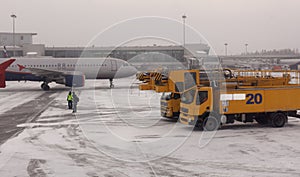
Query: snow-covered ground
x=119, y=132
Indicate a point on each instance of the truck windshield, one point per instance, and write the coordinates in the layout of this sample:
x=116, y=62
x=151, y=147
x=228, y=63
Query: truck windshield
x=188, y=96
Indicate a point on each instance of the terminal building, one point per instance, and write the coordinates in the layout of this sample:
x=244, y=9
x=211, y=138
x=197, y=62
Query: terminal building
x=18, y=39
x=138, y=55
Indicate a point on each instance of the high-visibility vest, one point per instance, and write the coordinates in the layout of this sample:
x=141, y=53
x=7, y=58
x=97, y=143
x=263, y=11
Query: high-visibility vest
x=70, y=98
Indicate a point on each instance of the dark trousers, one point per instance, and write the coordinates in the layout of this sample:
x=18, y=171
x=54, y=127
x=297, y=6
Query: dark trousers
x=70, y=104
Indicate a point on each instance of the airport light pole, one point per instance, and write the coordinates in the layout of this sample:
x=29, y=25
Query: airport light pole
x=13, y=16
x=226, y=44
x=246, y=48
x=183, y=18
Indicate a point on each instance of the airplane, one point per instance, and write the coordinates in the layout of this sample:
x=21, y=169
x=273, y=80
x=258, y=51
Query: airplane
x=71, y=72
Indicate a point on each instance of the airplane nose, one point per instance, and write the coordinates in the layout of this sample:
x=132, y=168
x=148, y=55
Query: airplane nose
x=125, y=72
x=133, y=70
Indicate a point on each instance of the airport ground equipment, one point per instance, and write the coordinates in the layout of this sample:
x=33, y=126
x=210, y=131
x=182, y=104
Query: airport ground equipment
x=171, y=84
x=261, y=97
x=175, y=82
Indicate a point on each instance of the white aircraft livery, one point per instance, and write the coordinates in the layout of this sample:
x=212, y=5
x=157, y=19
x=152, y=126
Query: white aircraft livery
x=71, y=72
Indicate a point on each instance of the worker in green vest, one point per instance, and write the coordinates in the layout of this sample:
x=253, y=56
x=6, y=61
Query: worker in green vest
x=70, y=100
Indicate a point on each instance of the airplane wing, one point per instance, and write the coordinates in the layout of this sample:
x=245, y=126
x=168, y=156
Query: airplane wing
x=68, y=78
x=46, y=72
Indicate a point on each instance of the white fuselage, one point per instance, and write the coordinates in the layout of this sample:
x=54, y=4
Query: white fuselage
x=92, y=68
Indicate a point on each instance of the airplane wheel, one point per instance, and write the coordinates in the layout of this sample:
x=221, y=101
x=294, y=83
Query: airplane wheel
x=45, y=87
x=111, y=83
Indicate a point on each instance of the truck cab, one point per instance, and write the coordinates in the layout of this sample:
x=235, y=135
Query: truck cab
x=196, y=105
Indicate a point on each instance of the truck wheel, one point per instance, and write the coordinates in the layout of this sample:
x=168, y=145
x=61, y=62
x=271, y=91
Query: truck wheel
x=278, y=119
x=210, y=123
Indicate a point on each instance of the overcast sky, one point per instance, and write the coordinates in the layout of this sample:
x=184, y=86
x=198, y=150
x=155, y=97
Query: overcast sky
x=263, y=24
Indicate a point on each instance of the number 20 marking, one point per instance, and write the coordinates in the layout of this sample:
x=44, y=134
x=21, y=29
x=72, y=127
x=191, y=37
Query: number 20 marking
x=254, y=99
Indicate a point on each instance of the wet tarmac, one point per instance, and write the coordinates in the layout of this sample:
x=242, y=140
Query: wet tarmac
x=24, y=113
x=120, y=132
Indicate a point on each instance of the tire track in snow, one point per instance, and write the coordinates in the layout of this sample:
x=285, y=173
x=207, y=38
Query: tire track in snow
x=12, y=101
x=24, y=113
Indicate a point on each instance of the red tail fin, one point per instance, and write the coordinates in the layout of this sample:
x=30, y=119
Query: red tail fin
x=3, y=67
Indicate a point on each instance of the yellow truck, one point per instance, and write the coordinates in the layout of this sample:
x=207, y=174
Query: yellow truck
x=171, y=85
x=209, y=106
x=175, y=82
x=170, y=105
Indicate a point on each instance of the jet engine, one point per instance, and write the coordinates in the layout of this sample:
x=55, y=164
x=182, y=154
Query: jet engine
x=74, y=80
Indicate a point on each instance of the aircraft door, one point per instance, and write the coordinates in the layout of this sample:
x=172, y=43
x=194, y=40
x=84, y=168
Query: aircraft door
x=113, y=65
x=63, y=66
x=58, y=66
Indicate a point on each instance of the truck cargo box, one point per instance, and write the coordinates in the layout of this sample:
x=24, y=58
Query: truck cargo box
x=257, y=100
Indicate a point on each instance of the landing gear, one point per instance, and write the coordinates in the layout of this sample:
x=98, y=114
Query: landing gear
x=45, y=86
x=111, y=83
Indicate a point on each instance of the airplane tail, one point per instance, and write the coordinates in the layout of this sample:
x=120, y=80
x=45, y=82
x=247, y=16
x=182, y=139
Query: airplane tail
x=3, y=67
